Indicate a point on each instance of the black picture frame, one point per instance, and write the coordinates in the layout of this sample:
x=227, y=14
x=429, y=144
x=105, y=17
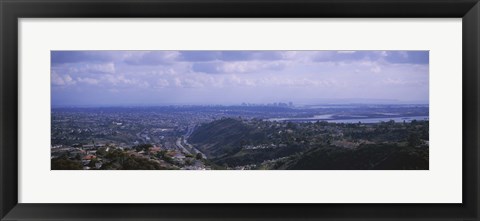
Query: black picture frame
x=12, y=10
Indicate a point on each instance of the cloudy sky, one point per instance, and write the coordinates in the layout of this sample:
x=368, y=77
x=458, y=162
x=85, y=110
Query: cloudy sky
x=106, y=78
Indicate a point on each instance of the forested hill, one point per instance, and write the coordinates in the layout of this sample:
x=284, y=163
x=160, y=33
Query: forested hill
x=257, y=144
x=366, y=157
x=223, y=137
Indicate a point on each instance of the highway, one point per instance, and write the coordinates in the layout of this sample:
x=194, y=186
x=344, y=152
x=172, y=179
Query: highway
x=179, y=145
x=194, y=149
x=185, y=137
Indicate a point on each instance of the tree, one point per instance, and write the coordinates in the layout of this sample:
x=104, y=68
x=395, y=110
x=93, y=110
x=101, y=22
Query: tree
x=102, y=151
x=92, y=163
x=144, y=147
x=65, y=164
x=414, y=140
x=199, y=156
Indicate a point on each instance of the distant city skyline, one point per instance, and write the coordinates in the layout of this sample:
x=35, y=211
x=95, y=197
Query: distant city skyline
x=149, y=78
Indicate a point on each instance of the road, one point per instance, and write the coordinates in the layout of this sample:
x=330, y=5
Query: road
x=194, y=149
x=179, y=145
x=185, y=137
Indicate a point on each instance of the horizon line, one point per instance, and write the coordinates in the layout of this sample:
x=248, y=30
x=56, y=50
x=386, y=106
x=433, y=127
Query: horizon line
x=224, y=105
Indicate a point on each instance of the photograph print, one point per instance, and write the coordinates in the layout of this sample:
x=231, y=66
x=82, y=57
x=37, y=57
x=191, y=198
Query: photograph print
x=239, y=110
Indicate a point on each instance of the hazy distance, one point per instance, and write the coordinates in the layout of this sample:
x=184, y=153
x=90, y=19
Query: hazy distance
x=118, y=78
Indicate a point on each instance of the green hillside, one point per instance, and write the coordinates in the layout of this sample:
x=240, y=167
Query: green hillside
x=222, y=137
x=224, y=141
x=257, y=144
x=367, y=157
